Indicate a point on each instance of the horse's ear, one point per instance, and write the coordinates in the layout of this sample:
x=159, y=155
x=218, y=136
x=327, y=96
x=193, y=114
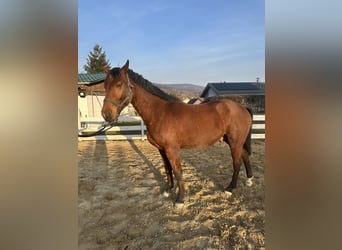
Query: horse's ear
x=106, y=69
x=125, y=67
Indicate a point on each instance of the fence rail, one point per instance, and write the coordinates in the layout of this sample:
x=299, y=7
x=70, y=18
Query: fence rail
x=258, y=127
x=133, y=128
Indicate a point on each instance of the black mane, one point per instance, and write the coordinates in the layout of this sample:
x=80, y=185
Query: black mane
x=147, y=85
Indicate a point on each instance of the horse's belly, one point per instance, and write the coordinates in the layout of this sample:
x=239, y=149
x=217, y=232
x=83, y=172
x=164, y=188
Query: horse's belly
x=200, y=139
x=185, y=134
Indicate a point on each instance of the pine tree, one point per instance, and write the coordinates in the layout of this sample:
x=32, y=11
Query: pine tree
x=96, y=60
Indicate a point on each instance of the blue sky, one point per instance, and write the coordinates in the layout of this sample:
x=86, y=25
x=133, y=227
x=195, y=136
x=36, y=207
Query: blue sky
x=180, y=41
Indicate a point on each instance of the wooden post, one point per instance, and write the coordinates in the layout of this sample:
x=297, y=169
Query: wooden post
x=142, y=129
x=79, y=120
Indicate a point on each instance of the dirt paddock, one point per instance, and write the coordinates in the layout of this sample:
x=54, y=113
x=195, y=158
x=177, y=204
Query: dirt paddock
x=121, y=205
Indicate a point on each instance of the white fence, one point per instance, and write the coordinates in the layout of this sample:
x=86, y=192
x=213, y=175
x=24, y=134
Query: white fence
x=133, y=128
x=258, y=127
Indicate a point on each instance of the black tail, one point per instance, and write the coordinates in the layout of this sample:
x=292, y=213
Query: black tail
x=247, y=144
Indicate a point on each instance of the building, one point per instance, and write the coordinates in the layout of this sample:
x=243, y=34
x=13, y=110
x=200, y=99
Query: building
x=91, y=93
x=251, y=94
x=89, y=83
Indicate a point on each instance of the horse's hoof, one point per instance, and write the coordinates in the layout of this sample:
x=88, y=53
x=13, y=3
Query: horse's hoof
x=179, y=205
x=166, y=194
x=228, y=193
x=249, y=181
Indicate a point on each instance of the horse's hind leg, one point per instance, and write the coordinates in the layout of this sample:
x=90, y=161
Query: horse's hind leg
x=236, y=155
x=249, y=173
x=236, y=152
x=168, y=170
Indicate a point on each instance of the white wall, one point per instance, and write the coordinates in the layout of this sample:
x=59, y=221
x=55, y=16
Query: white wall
x=94, y=105
x=91, y=106
x=82, y=107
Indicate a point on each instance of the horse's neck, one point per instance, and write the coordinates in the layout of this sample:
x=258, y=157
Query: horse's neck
x=146, y=103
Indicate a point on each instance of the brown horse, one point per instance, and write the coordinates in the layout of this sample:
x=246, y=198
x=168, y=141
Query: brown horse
x=173, y=125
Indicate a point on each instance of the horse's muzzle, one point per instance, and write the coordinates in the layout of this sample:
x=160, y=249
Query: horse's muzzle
x=108, y=115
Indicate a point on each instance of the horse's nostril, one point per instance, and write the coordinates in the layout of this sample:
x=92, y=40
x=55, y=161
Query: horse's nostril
x=106, y=114
x=109, y=115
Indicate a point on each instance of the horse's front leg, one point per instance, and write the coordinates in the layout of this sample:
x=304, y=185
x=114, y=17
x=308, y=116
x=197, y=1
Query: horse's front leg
x=168, y=170
x=174, y=160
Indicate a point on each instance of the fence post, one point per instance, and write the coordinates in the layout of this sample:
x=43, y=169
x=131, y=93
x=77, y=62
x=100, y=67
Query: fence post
x=79, y=120
x=142, y=129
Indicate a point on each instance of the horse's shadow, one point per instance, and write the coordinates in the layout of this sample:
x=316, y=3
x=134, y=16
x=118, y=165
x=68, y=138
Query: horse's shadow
x=100, y=153
x=220, y=181
x=157, y=175
x=206, y=168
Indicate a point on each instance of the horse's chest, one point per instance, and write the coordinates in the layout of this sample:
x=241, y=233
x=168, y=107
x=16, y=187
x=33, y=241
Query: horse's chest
x=161, y=135
x=154, y=138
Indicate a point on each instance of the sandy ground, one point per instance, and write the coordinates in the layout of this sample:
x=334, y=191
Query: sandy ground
x=121, y=204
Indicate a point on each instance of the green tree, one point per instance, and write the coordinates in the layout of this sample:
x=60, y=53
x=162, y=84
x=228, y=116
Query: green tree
x=96, y=60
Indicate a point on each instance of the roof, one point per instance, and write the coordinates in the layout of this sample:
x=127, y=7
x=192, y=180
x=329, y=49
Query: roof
x=234, y=88
x=91, y=78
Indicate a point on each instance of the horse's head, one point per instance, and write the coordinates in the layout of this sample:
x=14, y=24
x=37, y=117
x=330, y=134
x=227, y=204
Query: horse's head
x=118, y=92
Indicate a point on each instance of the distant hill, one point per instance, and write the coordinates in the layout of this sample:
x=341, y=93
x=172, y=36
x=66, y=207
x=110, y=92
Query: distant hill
x=187, y=86
x=183, y=90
